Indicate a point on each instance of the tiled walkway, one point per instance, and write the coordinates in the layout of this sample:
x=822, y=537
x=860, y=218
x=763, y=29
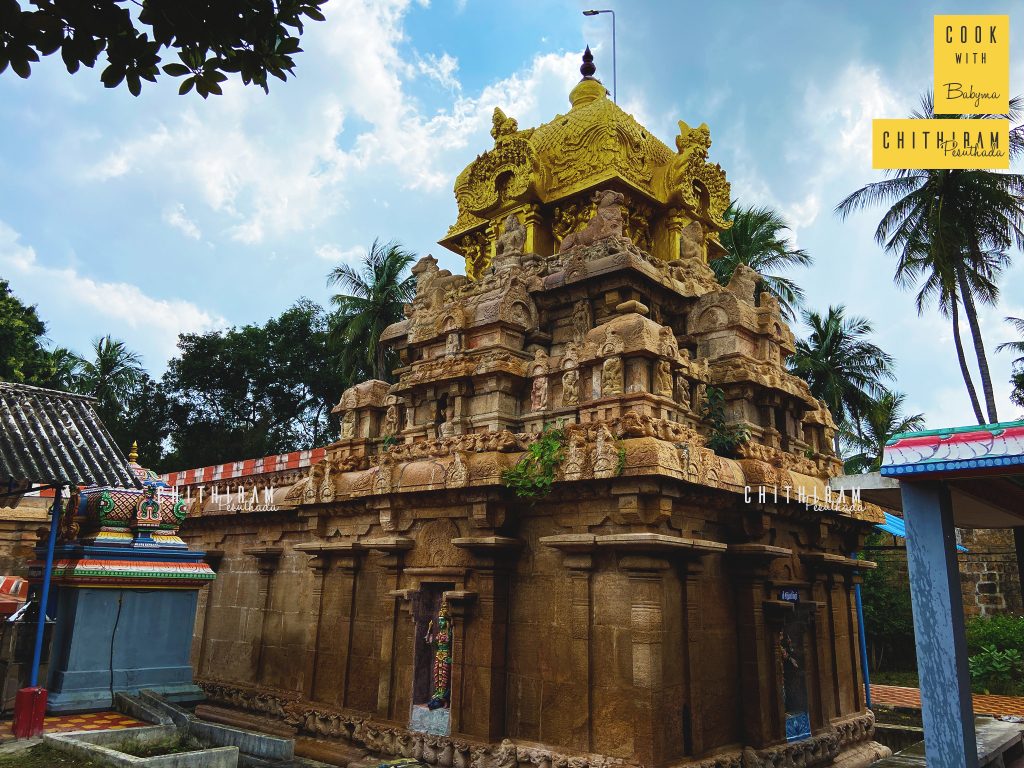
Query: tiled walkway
x=984, y=704
x=93, y=721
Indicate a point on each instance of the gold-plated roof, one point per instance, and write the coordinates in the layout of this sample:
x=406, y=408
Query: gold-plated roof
x=596, y=144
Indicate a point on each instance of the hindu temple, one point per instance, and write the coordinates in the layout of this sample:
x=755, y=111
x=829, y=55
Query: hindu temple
x=588, y=524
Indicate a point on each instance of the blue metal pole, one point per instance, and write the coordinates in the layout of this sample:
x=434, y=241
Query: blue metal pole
x=51, y=544
x=863, y=646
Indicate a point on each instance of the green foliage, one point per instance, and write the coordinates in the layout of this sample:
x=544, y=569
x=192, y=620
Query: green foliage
x=950, y=230
x=212, y=39
x=882, y=419
x=756, y=239
x=532, y=476
x=995, y=671
x=23, y=357
x=888, y=618
x=840, y=365
x=1017, y=395
x=620, y=463
x=254, y=390
x=725, y=438
x=1003, y=631
x=377, y=295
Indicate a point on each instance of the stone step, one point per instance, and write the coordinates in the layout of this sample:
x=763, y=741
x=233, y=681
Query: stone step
x=334, y=753
x=244, y=721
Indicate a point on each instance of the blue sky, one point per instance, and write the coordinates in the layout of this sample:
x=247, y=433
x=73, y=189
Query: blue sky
x=147, y=217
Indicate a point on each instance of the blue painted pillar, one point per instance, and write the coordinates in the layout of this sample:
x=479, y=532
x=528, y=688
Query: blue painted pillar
x=947, y=709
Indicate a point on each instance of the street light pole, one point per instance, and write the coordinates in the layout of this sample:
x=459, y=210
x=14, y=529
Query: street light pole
x=615, y=84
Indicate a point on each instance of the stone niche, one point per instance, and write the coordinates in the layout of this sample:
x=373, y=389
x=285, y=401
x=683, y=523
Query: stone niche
x=662, y=604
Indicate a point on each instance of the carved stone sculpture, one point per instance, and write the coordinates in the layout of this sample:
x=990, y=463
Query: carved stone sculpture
x=581, y=320
x=348, y=425
x=663, y=378
x=691, y=241
x=606, y=455
x=611, y=377
x=539, y=393
x=452, y=345
x=571, y=387
x=390, y=425
x=513, y=237
x=607, y=221
x=575, y=455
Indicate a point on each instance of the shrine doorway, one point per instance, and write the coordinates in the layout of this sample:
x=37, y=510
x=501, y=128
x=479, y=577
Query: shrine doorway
x=431, y=680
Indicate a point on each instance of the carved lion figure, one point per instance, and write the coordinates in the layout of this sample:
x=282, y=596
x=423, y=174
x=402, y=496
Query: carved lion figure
x=607, y=221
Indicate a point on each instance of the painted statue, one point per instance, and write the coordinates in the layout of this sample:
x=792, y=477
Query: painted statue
x=441, y=675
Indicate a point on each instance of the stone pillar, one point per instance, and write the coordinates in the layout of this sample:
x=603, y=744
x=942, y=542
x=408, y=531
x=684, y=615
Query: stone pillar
x=389, y=584
x=267, y=559
x=580, y=567
x=761, y=718
x=345, y=571
x=481, y=708
x=647, y=630
x=828, y=677
x=214, y=557
x=320, y=565
x=694, y=629
x=459, y=609
x=946, y=703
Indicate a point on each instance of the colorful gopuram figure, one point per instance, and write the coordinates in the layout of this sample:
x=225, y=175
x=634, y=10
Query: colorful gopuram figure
x=441, y=674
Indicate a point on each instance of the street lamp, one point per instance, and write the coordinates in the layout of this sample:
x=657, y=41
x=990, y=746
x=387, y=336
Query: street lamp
x=615, y=87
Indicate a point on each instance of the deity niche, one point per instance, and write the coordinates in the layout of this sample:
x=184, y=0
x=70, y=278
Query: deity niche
x=606, y=455
x=683, y=391
x=668, y=345
x=390, y=425
x=513, y=237
x=663, y=378
x=581, y=320
x=539, y=393
x=452, y=345
x=575, y=455
x=611, y=377
x=571, y=387
x=348, y=425
x=445, y=419
x=432, y=663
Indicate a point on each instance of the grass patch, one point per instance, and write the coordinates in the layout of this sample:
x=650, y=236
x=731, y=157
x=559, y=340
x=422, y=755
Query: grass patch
x=45, y=756
x=904, y=678
x=172, y=745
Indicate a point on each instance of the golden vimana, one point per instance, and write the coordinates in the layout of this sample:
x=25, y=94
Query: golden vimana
x=546, y=177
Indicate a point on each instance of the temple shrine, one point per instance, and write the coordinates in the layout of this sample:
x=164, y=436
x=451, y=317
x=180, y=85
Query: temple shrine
x=543, y=545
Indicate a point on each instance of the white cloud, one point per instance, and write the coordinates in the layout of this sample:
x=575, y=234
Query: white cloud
x=271, y=172
x=123, y=307
x=177, y=217
x=442, y=69
x=336, y=255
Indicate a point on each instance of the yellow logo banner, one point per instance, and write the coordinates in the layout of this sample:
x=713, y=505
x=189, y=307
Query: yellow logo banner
x=972, y=65
x=940, y=143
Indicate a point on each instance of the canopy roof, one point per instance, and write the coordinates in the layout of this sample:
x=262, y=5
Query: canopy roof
x=982, y=464
x=55, y=438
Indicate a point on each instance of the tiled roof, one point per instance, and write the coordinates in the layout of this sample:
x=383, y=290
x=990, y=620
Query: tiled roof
x=247, y=468
x=56, y=438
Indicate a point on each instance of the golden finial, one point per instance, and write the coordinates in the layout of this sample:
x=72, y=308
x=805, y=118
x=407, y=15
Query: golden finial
x=133, y=455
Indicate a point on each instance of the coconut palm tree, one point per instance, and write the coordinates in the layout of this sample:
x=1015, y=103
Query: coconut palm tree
x=1016, y=347
x=950, y=230
x=111, y=376
x=756, y=239
x=841, y=366
x=882, y=420
x=375, y=298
